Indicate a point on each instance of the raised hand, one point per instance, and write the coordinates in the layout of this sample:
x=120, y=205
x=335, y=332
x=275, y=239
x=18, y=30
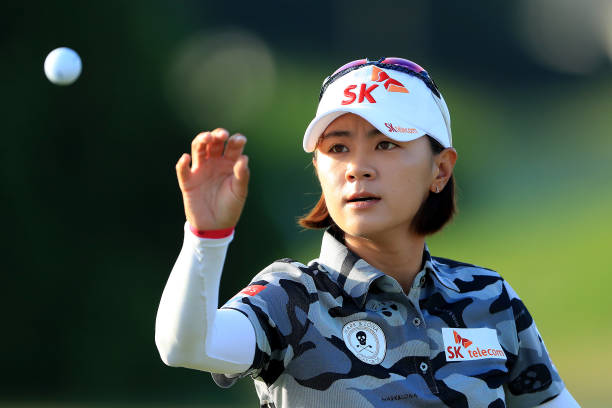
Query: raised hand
x=214, y=187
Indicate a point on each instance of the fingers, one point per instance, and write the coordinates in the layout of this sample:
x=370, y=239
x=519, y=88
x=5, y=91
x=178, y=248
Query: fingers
x=241, y=174
x=235, y=146
x=216, y=146
x=182, y=168
x=207, y=145
x=198, y=148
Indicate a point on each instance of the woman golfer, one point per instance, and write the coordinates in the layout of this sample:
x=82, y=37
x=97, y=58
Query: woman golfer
x=376, y=320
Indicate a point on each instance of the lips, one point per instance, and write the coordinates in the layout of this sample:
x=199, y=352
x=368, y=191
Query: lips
x=363, y=196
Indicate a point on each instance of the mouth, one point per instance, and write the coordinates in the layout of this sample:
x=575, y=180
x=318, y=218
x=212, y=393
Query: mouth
x=353, y=200
x=364, y=197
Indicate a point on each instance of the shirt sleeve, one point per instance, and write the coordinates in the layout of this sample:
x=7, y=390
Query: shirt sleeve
x=276, y=302
x=533, y=376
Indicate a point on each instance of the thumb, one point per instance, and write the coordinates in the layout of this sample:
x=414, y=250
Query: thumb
x=182, y=169
x=241, y=176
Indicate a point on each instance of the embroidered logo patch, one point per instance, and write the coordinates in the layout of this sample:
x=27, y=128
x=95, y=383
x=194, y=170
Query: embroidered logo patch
x=471, y=344
x=366, y=341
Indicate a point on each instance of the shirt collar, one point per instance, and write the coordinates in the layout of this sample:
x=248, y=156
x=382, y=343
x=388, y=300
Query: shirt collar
x=354, y=275
x=438, y=271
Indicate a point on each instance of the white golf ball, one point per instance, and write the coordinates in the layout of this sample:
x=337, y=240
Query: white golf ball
x=63, y=66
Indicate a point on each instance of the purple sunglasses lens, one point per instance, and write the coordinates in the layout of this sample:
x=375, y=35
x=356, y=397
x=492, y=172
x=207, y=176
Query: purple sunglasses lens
x=350, y=65
x=413, y=66
x=399, y=62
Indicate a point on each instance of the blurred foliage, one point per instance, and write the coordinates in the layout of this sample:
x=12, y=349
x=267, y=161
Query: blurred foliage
x=93, y=215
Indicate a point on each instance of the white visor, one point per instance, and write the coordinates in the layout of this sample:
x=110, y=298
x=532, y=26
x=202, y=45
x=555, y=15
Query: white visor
x=398, y=104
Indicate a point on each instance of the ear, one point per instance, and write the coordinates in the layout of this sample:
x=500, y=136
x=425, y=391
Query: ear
x=444, y=163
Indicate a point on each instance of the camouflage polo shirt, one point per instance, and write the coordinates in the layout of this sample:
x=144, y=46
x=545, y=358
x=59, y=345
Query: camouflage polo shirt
x=340, y=333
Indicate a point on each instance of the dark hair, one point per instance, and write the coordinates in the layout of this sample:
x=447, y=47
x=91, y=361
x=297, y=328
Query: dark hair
x=435, y=212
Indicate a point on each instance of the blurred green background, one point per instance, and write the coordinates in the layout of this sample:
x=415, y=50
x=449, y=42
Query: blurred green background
x=93, y=216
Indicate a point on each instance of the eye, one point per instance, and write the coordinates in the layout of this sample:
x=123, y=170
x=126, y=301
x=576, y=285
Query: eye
x=338, y=148
x=386, y=145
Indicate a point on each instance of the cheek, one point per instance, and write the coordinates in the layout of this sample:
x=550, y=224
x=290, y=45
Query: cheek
x=331, y=178
x=409, y=186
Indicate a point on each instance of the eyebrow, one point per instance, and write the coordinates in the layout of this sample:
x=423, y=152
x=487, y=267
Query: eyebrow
x=347, y=133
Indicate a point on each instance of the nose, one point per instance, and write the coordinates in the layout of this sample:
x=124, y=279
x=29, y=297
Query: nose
x=358, y=169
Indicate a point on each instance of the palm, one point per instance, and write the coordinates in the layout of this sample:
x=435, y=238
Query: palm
x=215, y=187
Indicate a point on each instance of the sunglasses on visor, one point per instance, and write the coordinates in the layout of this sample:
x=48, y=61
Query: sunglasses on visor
x=396, y=64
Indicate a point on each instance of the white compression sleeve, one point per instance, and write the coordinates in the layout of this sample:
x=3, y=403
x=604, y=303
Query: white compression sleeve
x=189, y=330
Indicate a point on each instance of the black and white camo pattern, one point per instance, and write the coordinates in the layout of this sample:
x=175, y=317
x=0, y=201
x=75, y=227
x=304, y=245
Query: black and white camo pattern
x=301, y=358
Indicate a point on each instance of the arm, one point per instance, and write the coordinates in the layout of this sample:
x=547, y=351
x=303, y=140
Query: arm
x=190, y=331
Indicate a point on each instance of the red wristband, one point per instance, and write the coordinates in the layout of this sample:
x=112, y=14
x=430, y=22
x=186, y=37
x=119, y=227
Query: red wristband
x=215, y=234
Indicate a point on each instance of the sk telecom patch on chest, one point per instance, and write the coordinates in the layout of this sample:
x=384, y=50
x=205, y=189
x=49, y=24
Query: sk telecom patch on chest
x=471, y=344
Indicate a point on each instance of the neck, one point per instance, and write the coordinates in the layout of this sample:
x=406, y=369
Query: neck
x=399, y=255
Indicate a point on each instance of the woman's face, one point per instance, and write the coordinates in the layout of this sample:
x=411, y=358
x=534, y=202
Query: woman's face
x=371, y=183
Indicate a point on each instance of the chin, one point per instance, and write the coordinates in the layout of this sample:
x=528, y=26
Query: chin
x=372, y=227
x=364, y=228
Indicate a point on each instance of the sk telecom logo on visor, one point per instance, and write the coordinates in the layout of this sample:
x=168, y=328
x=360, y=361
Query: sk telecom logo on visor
x=365, y=92
x=391, y=85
